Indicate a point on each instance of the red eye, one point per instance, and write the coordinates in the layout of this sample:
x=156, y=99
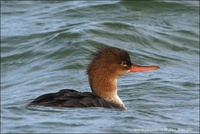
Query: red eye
x=124, y=63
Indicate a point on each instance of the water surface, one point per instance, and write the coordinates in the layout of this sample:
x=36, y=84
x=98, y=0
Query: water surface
x=46, y=46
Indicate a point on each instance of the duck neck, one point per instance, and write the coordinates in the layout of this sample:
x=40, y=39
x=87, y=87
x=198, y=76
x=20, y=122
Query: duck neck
x=105, y=86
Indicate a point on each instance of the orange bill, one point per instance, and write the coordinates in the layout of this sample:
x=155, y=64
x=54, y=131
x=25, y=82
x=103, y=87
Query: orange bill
x=137, y=68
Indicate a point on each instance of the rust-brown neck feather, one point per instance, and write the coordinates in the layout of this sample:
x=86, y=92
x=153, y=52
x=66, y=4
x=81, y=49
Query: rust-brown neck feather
x=102, y=83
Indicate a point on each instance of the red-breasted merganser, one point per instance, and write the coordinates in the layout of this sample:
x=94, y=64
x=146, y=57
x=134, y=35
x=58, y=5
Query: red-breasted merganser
x=107, y=65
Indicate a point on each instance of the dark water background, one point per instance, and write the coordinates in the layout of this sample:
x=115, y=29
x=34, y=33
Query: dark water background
x=45, y=46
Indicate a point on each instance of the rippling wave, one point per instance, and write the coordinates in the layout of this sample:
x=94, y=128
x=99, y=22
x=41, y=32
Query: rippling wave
x=46, y=46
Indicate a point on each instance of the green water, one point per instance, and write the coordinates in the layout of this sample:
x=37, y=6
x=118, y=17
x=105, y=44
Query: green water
x=46, y=46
